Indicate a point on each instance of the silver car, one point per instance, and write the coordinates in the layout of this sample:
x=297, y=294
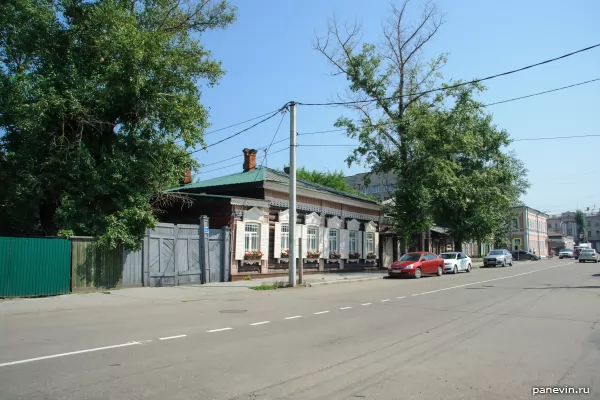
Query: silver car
x=498, y=258
x=589, y=255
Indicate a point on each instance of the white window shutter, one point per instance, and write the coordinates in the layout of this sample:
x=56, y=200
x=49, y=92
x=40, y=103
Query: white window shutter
x=344, y=243
x=359, y=243
x=325, y=242
x=321, y=240
x=264, y=240
x=239, y=240
x=304, y=235
x=376, y=244
x=277, y=241
x=364, y=245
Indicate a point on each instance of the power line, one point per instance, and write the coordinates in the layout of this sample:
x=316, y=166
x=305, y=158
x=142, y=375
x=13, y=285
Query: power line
x=514, y=140
x=540, y=93
x=242, y=131
x=241, y=155
x=456, y=85
x=555, y=138
x=233, y=165
x=314, y=133
x=241, y=123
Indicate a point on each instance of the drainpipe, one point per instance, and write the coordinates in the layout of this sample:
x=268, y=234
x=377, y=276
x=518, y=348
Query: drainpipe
x=526, y=226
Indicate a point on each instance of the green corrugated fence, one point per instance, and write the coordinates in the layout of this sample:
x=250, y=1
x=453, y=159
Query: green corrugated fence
x=93, y=268
x=34, y=267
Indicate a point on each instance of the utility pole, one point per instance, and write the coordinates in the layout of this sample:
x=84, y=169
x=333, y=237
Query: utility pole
x=292, y=200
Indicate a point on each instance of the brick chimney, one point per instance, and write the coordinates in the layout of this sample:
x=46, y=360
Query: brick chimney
x=187, y=177
x=249, y=159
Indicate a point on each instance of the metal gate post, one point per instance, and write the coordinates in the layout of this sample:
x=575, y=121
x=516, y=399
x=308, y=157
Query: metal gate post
x=226, y=261
x=204, y=259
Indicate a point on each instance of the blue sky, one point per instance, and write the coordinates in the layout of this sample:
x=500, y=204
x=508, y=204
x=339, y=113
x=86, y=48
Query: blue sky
x=269, y=58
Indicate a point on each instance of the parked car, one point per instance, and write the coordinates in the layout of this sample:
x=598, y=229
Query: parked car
x=456, y=261
x=565, y=253
x=523, y=255
x=498, y=258
x=589, y=255
x=416, y=265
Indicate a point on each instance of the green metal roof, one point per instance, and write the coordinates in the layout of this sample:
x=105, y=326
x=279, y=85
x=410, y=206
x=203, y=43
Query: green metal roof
x=238, y=178
x=271, y=175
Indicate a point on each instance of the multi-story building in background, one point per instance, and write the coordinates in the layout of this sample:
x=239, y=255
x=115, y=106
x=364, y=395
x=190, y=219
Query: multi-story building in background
x=531, y=226
x=380, y=185
x=565, y=223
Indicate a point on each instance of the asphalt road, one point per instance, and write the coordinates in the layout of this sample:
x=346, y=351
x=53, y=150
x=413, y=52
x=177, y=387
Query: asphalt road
x=491, y=334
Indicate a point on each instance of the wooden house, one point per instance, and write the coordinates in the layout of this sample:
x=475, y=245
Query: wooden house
x=338, y=230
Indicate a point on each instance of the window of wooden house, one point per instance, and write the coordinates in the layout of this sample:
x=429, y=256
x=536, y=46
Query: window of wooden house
x=252, y=242
x=312, y=238
x=370, y=242
x=352, y=241
x=285, y=237
x=334, y=240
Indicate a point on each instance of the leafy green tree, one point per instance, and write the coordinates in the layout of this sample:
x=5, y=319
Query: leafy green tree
x=98, y=102
x=333, y=179
x=385, y=83
x=448, y=158
x=582, y=226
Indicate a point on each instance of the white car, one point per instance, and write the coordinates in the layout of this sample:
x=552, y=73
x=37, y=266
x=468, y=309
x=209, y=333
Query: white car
x=565, y=253
x=456, y=261
x=589, y=255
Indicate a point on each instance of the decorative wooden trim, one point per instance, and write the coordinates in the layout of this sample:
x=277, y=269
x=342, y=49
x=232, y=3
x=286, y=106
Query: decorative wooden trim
x=353, y=225
x=284, y=216
x=370, y=227
x=323, y=196
x=236, y=201
x=254, y=214
x=312, y=219
x=334, y=222
x=322, y=210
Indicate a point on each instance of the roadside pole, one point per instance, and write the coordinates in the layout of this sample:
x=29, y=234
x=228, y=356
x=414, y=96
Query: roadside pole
x=292, y=199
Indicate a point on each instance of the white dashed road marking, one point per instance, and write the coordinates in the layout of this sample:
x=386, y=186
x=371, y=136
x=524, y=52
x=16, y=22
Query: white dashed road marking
x=400, y=297
x=383, y=301
x=71, y=353
x=345, y=308
x=321, y=312
x=294, y=317
x=172, y=337
x=218, y=330
x=260, y=323
x=366, y=304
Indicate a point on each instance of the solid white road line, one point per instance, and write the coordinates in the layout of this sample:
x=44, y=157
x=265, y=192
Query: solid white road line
x=260, y=323
x=172, y=337
x=71, y=353
x=219, y=330
x=345, y=308
x=321, y=312
x=383, y=301
x=366, y=304
x=294, y=317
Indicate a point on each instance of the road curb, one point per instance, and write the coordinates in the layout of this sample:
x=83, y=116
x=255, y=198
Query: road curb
x=370, y=278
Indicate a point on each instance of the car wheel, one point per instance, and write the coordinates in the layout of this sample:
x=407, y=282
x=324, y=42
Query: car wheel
x=504, y=264
x=418, y=273
x=455, y=270
x=510, y=264
x=440, y=271
x=469, y=268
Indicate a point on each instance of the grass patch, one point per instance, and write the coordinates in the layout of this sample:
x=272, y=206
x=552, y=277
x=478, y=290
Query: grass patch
x=270, y=286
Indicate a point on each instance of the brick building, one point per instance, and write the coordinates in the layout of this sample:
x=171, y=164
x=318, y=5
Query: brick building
x=530, y=226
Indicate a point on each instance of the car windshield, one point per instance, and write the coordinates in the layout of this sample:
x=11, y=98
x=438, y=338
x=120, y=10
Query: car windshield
x=448, y=256
x=495, y=253
x=587, y=251
x=565, y=250
x=411, y=257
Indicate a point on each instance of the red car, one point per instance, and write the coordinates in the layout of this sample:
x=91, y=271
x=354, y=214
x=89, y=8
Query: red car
x=417, y=264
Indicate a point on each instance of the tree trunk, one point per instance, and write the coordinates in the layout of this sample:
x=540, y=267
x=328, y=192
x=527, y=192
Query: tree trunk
x=457, y=245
